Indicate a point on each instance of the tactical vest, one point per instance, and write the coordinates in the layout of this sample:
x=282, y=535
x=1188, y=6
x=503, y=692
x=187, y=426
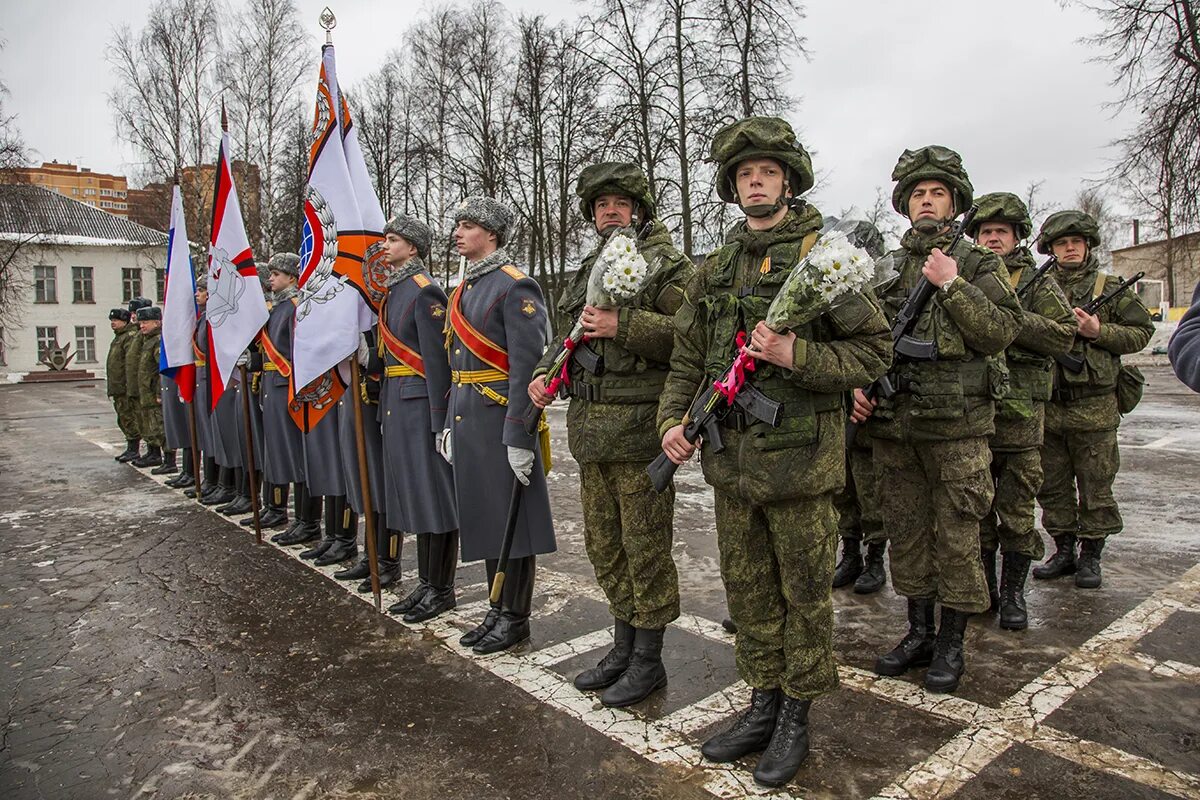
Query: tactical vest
x=941, y=389
x=1031, y=375
x=728, y=308
x=1099, y=375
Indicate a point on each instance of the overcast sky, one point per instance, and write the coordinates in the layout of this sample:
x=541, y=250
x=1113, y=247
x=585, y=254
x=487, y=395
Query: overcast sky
x=1007, y=84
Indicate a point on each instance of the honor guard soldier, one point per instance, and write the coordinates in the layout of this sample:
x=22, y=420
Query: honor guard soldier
x=418, y=486
x=610, y=430
x=497, y=332
x=117, y=381
x=200, y=398
x=774, y=486
x=931, y=436
x=1079, y=454
x=1047, y=330
x=150, y=420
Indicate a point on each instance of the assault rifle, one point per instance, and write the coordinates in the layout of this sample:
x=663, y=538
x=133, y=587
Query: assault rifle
x=905, y=346
x=1071, y=361
x=1050, y=264
x=713, y=404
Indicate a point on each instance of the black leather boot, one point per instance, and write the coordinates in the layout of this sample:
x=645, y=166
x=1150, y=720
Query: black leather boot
x=443, y=563
x=414, y=597
x=274, y=514
x=331, y=529
x=916, y=648
x=185, y=476
x=168, y=466
x=1015, y=569
x=851, y=565
x=729, y=625
x=240, y=504
x=224, y=493
x=750, y=732
x=788, y=747
x=309, y=519
x=472, y=637
x=345, y=546
x=132, y=448
x=948, y=663
x=388, y=548
x=516, y=602
x=874, y=576
x=1062, y=562
x=988, y=558
x=1087, y=575
x=614, y=663
x=645, y=675
x=299, y=504
x=152, y=458
x=210, y=478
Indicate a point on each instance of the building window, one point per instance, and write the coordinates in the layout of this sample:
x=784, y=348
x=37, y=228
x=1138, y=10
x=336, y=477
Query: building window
x=45, y=285
x=81, y=278
x=131, y=283
x=47, y=338
x=160, y=285
x=85, y=344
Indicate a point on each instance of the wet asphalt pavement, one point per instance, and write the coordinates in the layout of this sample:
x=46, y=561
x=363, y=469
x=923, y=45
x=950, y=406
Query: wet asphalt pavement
x=151, y=649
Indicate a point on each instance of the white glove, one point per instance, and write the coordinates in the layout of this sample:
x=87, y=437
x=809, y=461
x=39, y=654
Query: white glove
x=364, y=352
x=521, y=461
x=243, y=359
x=444, y=448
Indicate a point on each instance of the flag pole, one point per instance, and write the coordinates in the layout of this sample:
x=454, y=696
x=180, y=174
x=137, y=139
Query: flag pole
x=251, y=471
x=364, y=479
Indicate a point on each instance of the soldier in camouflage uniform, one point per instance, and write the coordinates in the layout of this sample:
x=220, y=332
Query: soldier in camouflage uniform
x=116, y=381
x=150, y=419
x=611, y=432
x=133, y=357
x=774, y=487
x=1047, y=329
x=1080, y=447
x=931, y=437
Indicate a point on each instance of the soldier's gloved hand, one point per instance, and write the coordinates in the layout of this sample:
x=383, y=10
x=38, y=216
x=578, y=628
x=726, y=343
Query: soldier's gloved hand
x=521, y=461
x=444, y=447
x=364, y=352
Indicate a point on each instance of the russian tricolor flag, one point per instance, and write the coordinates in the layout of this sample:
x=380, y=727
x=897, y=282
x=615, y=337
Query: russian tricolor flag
x=177, y=359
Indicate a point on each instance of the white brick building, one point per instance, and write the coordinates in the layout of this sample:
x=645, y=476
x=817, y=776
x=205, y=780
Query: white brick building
x=71, y=264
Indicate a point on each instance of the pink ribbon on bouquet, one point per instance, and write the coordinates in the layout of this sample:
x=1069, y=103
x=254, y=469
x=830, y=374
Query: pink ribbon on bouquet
x=735, y=377
x=562, y=378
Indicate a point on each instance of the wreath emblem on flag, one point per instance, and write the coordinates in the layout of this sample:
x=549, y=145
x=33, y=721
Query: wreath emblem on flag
x=318, y=252
x=375, y=272
x=227, y=287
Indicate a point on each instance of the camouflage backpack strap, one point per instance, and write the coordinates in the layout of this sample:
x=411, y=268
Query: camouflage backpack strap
x=1101, y=279
x=1014, y=277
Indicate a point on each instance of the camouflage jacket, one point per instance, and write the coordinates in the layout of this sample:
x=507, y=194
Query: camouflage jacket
x=147, y=373
x=1047, y=330
x=133, y=360
x=841, y=349
x=1087, y=400
x=611, y=416
x=114, y=366
x=972, y=323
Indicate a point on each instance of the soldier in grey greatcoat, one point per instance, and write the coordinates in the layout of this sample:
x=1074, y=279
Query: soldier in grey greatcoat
x=418, y=493
x=498, y=330
x=175, y=426
x=200, y=398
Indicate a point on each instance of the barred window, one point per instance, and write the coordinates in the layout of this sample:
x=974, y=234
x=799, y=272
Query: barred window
x=131, y=283
x=45, y=284
x=81, y=278
x=85, y=344
x=160, y=285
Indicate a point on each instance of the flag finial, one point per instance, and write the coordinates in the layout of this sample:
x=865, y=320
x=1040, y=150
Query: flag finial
x=224, y=118
x=328, y=21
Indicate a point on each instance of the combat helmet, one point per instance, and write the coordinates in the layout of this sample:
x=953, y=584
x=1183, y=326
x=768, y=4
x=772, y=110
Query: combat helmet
x=1002, y=207
x=1067, y=223
x=613, y=177
x=931, y=163
x=760, y=137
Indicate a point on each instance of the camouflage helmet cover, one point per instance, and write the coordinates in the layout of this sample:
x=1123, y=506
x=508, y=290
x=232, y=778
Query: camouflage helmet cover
x=1067, y=223
x=760, y=137
x=613, y=177
x=1002, y=207
x=417, y=233
x=931, y=163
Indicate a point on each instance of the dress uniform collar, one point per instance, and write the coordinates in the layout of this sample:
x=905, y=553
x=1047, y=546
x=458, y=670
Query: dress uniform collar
x=411, y=267
x=489, y=263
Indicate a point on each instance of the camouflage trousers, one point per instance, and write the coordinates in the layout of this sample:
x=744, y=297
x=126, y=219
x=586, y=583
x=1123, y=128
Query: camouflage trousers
x=150, y=423
x=1076, y=495
x=128, y=412
x=628, y=530
x=933, y=496
x=777, y=565
x=858, y=513
x=1016, y=478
